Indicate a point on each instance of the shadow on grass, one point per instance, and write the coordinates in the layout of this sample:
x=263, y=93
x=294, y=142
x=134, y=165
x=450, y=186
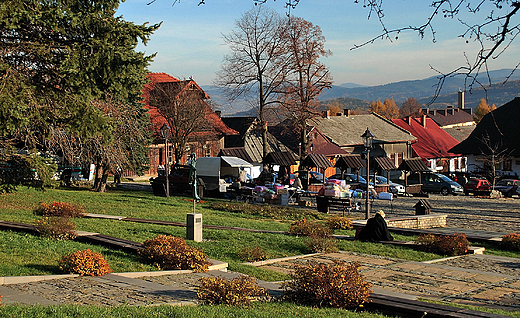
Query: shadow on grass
x=44, y=269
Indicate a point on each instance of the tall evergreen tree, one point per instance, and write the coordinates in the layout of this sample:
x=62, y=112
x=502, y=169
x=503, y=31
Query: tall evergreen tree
x=56, y=59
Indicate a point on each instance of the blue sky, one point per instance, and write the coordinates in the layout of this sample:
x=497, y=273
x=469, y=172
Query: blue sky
x=189, y=42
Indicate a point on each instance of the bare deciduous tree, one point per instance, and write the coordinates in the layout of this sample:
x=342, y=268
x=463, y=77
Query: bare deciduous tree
x=185, y=110
x=494, y=33
x=256, y=64
x=410, y=107
x=307, y=77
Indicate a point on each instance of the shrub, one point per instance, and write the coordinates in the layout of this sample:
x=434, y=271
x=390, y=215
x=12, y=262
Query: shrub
x=252, y=254
x=339, y=223
x=305, y=228
x=511, y=241
x=322, y=244
x=60, y=209
x=337, y=285
x=85, y=262
x=237, y=291
x=456, y=244
x=59, y=228
x=170, y=252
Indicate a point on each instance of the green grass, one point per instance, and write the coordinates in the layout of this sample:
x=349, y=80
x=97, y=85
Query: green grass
x=257, y=310
x=513, y=313
x=27, y=254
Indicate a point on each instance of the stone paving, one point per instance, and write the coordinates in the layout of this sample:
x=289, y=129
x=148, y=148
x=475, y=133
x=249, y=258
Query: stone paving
x=480, y=280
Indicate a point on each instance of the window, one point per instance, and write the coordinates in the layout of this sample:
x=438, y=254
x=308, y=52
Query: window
x=507, y=164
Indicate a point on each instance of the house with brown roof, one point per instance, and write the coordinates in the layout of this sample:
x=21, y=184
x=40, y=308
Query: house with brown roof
x=345, y=132
x=496, y=136
x=433, y=144
x=205, y=142
x=456, y=121
x=338, y=136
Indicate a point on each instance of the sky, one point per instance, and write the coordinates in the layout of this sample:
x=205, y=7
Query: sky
x=189, y=42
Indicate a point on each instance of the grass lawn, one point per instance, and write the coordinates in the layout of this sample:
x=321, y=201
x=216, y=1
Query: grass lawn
x=258, y=310
x=223, y=245
x=27, y=254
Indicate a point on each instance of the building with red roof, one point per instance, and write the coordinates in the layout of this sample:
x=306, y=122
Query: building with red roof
x=433, y=144
x=205, y=142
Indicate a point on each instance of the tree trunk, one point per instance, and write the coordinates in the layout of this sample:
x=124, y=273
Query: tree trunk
x=100, y=181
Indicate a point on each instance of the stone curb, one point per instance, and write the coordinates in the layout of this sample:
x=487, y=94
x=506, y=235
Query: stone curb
x=216, y=266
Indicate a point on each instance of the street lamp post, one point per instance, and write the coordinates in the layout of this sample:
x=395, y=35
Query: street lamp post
x=368, y=139
x=165, y=133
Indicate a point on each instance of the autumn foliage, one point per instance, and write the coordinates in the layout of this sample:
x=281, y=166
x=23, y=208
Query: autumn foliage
x=239, y=291
x=85, y=262
x=170, y=252
x=337, y=285
x=60, y=209
x=511, y=241
x=303, y=227
x=339, y=223
x=456, y=244
x=58, y=228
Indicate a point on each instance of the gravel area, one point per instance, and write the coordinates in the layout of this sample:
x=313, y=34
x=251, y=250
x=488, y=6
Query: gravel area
x=486, y=263
x=494, y=215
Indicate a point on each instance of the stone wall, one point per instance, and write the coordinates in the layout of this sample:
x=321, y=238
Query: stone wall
x=418, y=221
x=428, y=221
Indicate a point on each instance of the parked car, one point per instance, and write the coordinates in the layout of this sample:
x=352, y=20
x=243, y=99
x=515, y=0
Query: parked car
x=508, y=187
x=178, y=182
x=436, y=182
x=395, y=188
x=477, y=186
x=308, y=177
x=351, y=178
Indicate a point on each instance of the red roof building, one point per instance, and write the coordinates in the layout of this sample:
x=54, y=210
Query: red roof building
x=205, y=142
x=433, y=144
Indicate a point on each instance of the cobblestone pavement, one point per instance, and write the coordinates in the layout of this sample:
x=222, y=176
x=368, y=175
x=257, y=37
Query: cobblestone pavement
x=495, y=215
x=474, y=279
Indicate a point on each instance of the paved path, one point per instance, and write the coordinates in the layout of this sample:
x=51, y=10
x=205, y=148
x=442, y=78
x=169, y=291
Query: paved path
x=480, y=280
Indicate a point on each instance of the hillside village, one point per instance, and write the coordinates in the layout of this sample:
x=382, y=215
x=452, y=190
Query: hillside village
x=430, y=137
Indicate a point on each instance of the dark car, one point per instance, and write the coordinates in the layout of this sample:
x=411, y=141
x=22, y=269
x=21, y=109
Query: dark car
x=178, y=182
x=436, y=182
x=477, y=186
x=508, y=187
x=351, y=178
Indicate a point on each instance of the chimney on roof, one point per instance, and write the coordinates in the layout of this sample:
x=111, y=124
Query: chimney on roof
x=346, y=112
x=409, y=120
x=423, y=121
x=461, y=99
x=219, y=113
x=326, y=114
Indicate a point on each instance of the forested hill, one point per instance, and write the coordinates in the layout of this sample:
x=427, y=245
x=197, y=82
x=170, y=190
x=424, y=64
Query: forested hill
x=353, y=96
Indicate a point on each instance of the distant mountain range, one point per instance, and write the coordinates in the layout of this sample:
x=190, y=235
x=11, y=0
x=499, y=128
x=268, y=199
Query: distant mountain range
x=356, y=96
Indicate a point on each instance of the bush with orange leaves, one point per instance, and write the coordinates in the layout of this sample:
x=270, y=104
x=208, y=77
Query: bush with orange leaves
x=85, y=262
x=170, y=252
x=456, y=244
x=64, y=209
x=337, y=285
x=511, y=241
x=238, y=291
